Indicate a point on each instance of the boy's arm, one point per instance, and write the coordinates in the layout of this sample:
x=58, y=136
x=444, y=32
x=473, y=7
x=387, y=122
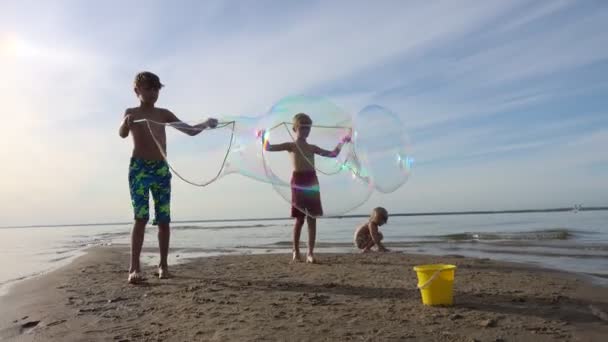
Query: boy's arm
x=288, y=146
x=278, y=147
x=186, y=128
x=127, y=120
x=331, y=154
x=363, y=230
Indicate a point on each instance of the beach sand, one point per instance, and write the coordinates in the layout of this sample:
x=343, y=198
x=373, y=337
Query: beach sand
x=347, y=297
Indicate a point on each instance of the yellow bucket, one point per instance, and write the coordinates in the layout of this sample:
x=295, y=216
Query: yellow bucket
x=436, y=283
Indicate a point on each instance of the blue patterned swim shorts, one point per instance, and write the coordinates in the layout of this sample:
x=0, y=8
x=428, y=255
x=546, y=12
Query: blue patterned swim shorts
x=150, y=176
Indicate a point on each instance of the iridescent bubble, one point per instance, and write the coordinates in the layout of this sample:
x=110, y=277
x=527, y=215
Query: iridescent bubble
x=378, y=154
x=245, y=154
x=383, y=148
x=202, y=156
x=332, y=177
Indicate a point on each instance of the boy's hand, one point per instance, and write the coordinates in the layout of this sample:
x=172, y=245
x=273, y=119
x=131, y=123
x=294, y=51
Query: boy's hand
x=211, y=123
x=260, y=134
x=125, y=127
x=346, y=139
x=128, y=120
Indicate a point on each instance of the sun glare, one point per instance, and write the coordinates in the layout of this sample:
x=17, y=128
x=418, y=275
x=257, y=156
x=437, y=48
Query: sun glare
x=13, y=46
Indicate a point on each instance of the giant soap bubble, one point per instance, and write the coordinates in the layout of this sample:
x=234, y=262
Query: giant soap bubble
x=245, y=153
x=383, y=148
x=339, y=187
x=200, y=157
x=377, y=157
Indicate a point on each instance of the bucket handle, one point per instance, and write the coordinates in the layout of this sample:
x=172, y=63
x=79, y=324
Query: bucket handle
x=428, y=282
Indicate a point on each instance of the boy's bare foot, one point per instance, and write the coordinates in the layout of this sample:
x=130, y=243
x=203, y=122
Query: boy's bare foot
x=135, y=277
x=163, y=273
x=296, y=257
x=310, y=259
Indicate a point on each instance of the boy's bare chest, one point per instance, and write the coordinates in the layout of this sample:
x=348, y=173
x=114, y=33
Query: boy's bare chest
x=154, y=115
x=303, y=150
x=152, y=126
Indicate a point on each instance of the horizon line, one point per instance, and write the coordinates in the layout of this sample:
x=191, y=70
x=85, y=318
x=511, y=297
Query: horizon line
x=439, y=213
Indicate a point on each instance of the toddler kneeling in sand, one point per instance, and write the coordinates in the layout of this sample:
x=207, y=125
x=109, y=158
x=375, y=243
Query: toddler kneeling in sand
x=368, y=235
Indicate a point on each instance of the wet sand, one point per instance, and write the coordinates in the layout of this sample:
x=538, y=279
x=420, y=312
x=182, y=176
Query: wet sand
x=266, y=298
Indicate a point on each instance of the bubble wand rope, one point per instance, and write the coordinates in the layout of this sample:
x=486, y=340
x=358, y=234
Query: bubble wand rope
x=354, y=152
x=319, y=126
x=164, y=154
x=311, y=162
x=269, y=173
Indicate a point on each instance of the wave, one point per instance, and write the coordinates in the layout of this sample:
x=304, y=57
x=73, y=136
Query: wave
x=318, y=244
x=103, y=235
x=222, y=227
x=547, y=234
x=580, y=253
x=287, y=244
x=562, y=240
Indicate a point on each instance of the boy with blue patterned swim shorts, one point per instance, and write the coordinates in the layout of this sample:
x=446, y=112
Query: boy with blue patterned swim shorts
x=148, y=170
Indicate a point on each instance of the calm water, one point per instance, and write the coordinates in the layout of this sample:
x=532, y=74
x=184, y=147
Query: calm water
x=576, y=242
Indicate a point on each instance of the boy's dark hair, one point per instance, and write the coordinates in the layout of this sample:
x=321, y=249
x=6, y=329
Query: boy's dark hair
x=301, y=119
x=147, y=78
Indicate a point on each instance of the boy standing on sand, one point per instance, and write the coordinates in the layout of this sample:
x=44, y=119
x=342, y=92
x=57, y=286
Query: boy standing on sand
x=148, y=170
x=305, y=192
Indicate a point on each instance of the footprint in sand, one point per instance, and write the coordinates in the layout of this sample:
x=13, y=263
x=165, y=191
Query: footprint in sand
x=28, y=326
x=17, y=330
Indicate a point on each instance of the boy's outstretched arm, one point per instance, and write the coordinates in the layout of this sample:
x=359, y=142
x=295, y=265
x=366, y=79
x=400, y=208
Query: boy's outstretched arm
x=279, y=147
x=275, y=148
x=189, y=129
x=127, y=120
x=335, y=152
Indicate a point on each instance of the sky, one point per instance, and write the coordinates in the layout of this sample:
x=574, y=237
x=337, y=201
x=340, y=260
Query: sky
x=504, y=101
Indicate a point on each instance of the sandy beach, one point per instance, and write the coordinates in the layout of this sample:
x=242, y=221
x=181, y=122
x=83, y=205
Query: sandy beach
x=346, y=297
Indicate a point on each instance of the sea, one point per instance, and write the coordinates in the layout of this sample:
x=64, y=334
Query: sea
x=573, y=241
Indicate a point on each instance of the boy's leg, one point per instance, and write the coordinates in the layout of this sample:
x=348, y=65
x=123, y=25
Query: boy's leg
x=137, y=240
x=312, y=235
x=297, y=229
x=368, y=245
x=139, y=190
x=164, y=235
x=161, y=193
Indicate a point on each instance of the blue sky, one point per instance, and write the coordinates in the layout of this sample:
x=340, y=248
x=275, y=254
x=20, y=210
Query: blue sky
x=504, y=100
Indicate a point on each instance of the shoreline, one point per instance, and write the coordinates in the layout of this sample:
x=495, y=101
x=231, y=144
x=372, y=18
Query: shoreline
x=181, y=255
x=597, y=279
x=265, y=297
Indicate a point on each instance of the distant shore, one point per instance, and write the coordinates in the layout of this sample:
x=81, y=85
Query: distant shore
x=439, y=213
x=346, y=297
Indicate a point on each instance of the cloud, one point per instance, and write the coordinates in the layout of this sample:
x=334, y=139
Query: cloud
x=491, y=70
